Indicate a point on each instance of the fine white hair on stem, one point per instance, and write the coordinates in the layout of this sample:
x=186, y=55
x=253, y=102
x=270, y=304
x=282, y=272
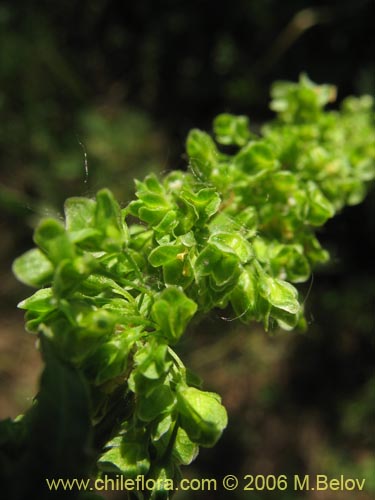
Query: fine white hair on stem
x=85, y=162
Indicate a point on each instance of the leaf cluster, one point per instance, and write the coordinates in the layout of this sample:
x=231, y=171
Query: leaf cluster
x=117, y=287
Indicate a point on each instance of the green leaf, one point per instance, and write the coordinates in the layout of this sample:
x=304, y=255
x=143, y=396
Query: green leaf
x=52, y=238
x=33, y=268
x=184, y=451
x=157, y=402
x=220, y=263
x=244, y=296
x=165, y=253
x=40, y=301
x=70, y=273
x=80, y=221
x=256, y=157
x=201, y=415
x=109, y=220
x=313, y=250
x=283, y=298
x=248, y=221
x=187, y=215
x=300, y=102
x=152, y=216
x=202, y=152
x=231, y=129
x=285, y=182
x=110, y=360
x=153, y=205
x=209, y=258
x=168, y=223
x=161, y=426
x=95, y=284
x=152, y=183
x=357, y=191
x=150, y=368
x=289, y=261
x=228, y=242
x=205, y=203
x=179, y=272
x=79, y=213
x=96, y=324
x=164, y=477
x=320, y=209
x=127, y=455
x=172, y=311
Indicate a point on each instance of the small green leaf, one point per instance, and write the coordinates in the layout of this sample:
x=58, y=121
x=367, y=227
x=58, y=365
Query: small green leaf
x=41, y=301
x=33, y=268
x=233, y=242
x=285, y=181
x=283, y=298
x=201, y=415
x=205, y=203
x=168, y=223
x=208, y=259
x=79, y=213
x=152, y=183
x=70, y=273
x=179, y=272
x=162, y=426
x=164, y=477
x=111, y=358
x=185, y=451
x=80, y=222
x=152, y=216
x=220, y=263
x=256, y=157
x=313, y=250
x=96, y=324
x=288, y=261
x=96, y=283
x=300, y=102
x=157, y=402
x=127, y=455
x=320, y=209
x=150, y=367
x=163, y=254
x=52, y=238
x=202, y=152
x=244, y=296
x=172, y=312
x=109, y=220
x=231, y=129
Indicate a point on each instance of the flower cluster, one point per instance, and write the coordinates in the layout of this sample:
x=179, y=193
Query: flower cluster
x=118, y=287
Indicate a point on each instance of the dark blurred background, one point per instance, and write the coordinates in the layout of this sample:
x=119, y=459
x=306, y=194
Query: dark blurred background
x=115, y=86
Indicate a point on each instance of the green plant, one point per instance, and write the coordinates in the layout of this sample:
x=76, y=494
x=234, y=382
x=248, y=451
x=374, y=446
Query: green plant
x=118, y=288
